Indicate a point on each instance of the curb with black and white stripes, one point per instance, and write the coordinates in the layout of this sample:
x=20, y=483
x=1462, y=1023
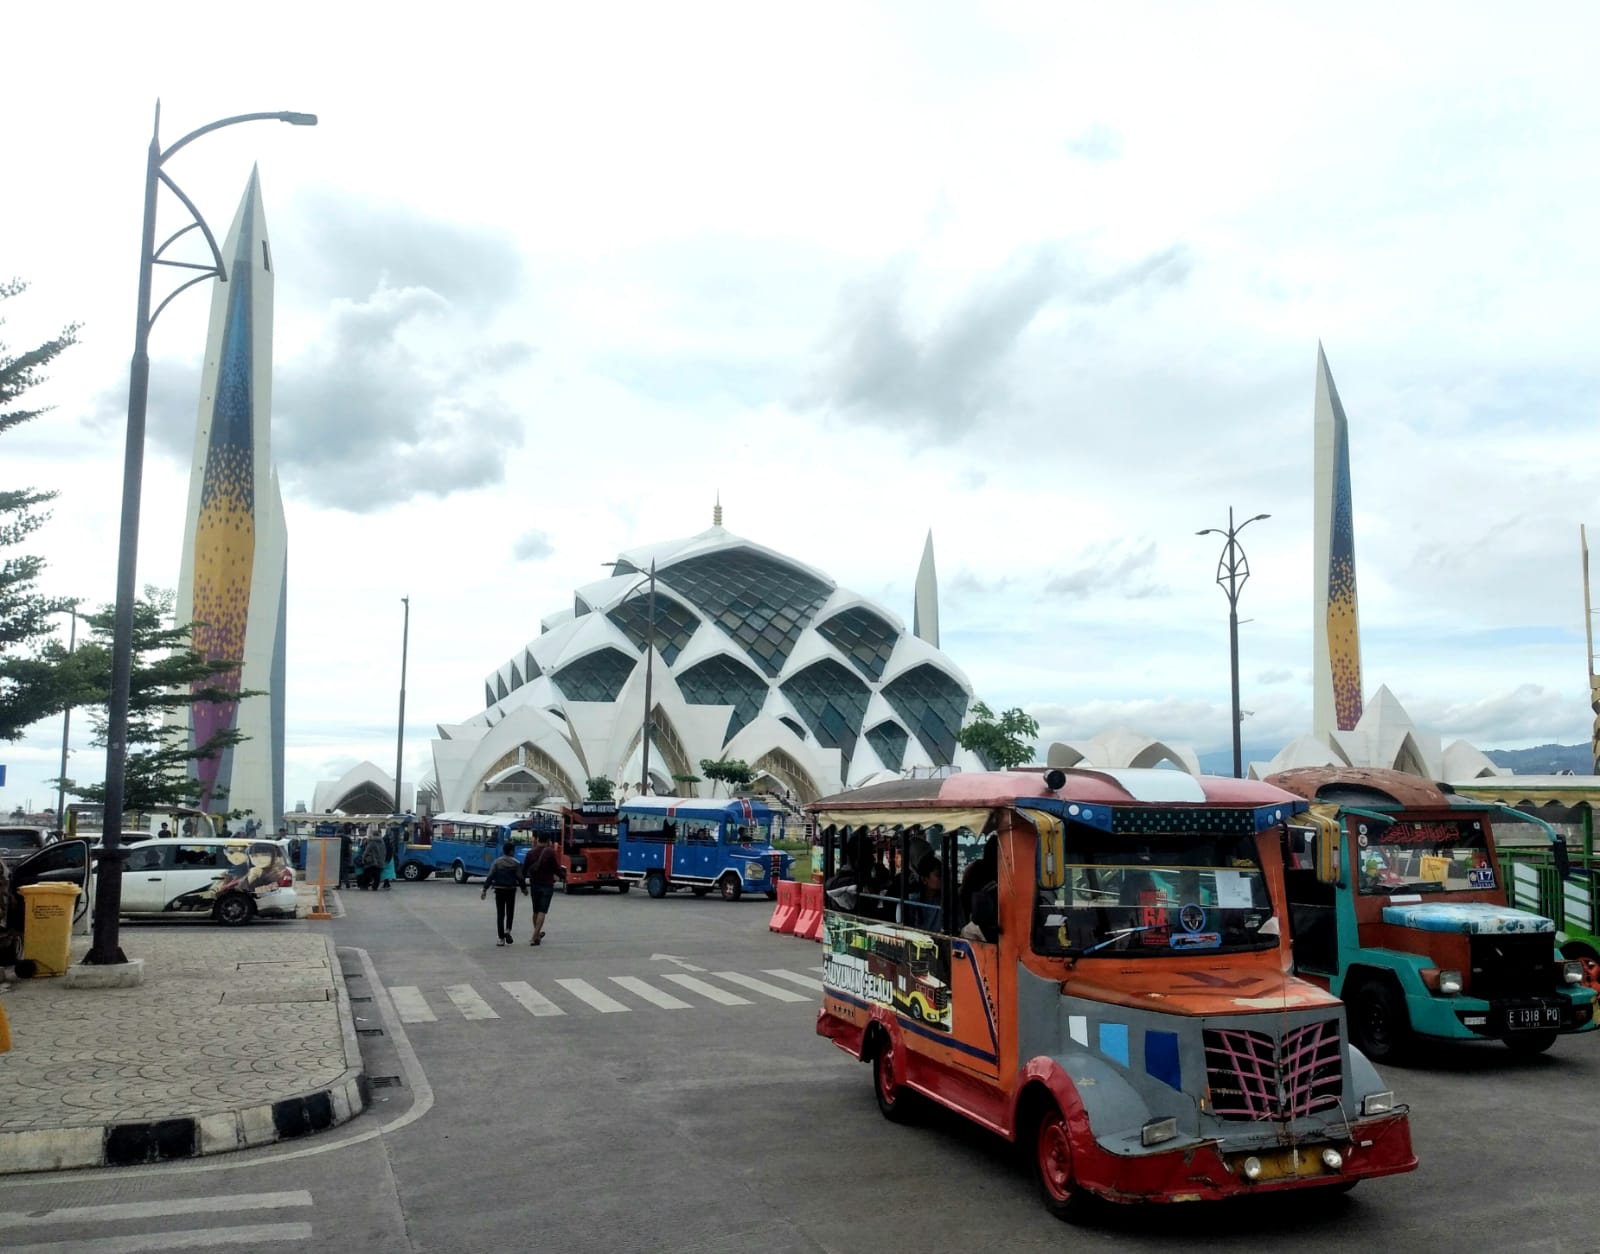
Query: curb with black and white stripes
x=163, y=1140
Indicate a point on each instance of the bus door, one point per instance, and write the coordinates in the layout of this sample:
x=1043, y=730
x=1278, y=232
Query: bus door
x=1311, y=874
x=696, y=852
x=975, y=977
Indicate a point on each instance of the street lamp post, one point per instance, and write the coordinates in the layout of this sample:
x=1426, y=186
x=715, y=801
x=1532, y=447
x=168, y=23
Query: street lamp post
x=649, y=674
x=66, y=731
x=1233, y=568
x=108, y=877
x=400, y=737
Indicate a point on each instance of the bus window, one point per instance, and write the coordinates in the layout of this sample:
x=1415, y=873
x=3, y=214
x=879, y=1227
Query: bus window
x=1156, y=895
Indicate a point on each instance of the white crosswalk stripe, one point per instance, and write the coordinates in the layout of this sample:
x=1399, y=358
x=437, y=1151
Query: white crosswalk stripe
x=649, y=992
x=535, y=1003
x=804, y=981
x=409, y=1004
x=761, y=986
x=719, y=995
x=469, y=1003
x=587, y=992
x=79, y=1219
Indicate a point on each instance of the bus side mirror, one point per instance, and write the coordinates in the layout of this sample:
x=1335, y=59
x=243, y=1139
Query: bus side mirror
x=1052, y=851
x=1328, y=854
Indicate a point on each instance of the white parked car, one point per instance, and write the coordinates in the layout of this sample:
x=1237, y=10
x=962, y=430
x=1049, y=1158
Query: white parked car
x=232, y=880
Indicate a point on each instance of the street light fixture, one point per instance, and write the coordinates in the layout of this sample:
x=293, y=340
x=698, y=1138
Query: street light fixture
x=1232, y=570
x=108, y=876
x=649, y=671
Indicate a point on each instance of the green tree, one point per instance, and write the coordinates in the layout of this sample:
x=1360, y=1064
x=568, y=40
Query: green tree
x=1000, y=741
x=168, y=674
x=728, y=771
x=28, y=691
x=682, y=777
x=601, y=788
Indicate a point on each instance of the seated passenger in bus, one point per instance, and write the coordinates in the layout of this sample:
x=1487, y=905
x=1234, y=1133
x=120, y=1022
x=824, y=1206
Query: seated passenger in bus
x=853, y=875
x=925, y=906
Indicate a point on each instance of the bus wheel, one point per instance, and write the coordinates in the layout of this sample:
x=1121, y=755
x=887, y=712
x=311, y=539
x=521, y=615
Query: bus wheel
x=732, y=889
x=1526, y=1044
x=458, y=873
x=1378, y=1021
x=411, y=871
x=1052, y=1162
x=656, y=884
x=894, y=1102
x=772, y=894
x=624, y=886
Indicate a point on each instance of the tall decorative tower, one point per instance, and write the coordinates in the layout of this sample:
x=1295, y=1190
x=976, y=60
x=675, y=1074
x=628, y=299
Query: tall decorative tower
x=233, y=580
x=1336, y=651
x=925, y=603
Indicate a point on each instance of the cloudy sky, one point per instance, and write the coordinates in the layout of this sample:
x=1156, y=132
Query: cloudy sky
x=1046, y=278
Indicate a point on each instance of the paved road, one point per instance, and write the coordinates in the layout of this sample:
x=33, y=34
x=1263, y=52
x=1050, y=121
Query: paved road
x=587, y=1095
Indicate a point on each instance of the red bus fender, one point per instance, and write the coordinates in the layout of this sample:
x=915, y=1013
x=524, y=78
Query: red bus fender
x=1050, y=1074
x=787, y=912
x=808, y=926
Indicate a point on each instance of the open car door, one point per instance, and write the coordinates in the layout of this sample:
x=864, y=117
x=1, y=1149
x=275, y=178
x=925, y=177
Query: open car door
x=63, y=862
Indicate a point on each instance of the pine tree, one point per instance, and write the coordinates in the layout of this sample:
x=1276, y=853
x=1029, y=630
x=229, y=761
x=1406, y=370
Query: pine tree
x=29, y=688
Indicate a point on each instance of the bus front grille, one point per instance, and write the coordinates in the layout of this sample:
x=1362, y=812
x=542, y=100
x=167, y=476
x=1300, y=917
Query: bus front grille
x=1253, y=1075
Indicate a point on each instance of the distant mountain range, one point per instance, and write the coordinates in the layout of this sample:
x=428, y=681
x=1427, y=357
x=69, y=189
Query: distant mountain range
x=1540, y=760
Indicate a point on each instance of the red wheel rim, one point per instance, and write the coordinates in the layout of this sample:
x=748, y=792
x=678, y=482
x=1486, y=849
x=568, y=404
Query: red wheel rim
x=1055, y=1156
x=886, y=1084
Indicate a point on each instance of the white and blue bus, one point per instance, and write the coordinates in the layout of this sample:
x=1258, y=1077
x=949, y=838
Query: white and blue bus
x=464, y=845
x=667, y=843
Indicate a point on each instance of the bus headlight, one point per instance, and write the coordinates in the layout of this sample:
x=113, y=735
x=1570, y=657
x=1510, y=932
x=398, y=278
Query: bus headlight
x=1158, y=1130
x=1332, y=1159
x=1572, y=972
x=754, y=870
x=1377, y=1104
x=1252, y=1168
x=1450, y=982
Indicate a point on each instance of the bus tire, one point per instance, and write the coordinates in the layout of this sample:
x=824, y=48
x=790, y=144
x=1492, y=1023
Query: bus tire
x=895, y=1102
x=732, y=889
x=1378, y=1023
x=458, y=873
x=656, y=884
x=1052, y=1165
x=411, y=871
x=624, y=886
x=772, y=894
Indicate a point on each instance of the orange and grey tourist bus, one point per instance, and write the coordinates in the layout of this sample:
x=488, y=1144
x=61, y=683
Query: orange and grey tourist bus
x=1093, y=964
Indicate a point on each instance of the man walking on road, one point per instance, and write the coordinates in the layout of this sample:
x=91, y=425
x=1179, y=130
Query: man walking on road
x=506, y=880
x=539, y=869
x=372, y=856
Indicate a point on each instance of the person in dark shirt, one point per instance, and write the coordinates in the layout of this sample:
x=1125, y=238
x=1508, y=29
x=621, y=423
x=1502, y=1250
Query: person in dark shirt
x=540, y=868
x=505, y=877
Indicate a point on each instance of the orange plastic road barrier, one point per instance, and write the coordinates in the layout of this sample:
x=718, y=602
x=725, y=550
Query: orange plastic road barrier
x=787, y=910
x=809, y=925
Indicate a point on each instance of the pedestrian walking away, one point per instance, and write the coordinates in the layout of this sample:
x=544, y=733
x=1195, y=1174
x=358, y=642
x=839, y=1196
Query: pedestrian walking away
x=372, y=856
x=391, y=856
x=540, y=868
x=505, y=877
x=347, y=855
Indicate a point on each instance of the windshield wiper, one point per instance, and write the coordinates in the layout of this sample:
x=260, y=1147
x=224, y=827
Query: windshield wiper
x=1122, y=935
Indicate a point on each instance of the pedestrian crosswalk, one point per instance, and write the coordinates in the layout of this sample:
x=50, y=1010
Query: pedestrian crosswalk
x=80, y=1228
x=616, y=994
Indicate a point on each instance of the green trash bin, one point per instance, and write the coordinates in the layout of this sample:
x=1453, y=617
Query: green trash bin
x=47, y=926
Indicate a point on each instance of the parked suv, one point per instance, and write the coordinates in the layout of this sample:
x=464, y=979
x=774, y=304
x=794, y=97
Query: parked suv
x=231, y=880
x=17, y=843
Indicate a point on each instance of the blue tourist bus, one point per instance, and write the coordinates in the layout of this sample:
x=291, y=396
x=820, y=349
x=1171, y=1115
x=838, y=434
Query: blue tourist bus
x=685, y=842
x=464, y=845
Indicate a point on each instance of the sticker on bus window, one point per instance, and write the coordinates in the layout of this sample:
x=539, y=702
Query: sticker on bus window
x=1196, y=940
x=1192, y=917
x=1480, y=877
x=1153, y=919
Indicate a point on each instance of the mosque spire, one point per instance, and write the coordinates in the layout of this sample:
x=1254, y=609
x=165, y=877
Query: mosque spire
x=925, y=600
x=716, y=510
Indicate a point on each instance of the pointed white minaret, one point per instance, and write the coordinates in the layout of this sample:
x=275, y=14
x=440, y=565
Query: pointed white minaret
x=233, y=576
x=925, y=603
x=716, y=511
x=1336, y=629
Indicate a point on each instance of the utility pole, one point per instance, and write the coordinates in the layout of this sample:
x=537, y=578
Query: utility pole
x=1232, y=570
x=400, y=735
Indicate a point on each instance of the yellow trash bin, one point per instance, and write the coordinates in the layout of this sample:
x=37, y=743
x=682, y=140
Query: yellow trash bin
x=47, y=925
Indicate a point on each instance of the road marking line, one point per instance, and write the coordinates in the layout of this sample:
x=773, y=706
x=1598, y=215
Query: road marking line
x=708, y=990
x=804, y=981
x=188, y=1239
x=469, y=1003
x=151, y=1210
x=761, y=986
x=535, y=1003
x=649, y=992
x=410, y=1005
x=587, y=992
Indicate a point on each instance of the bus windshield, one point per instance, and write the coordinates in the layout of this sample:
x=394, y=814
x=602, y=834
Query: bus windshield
x=1415, y=856
x=1155, y=895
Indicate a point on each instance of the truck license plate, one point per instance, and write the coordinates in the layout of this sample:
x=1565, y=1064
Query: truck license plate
x=1535, y=1017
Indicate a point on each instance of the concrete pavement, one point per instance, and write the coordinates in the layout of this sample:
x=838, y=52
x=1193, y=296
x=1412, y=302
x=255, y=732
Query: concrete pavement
x=236, y=1038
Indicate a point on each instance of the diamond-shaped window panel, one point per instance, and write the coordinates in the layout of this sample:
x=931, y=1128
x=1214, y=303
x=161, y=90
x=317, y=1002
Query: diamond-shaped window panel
x=488, y=694
x=865, y=638
x=931, y=705
x=792, y=725
x=596, y=676
x=720, y=680
x=675, y=623
x=516, y=677
x=500, y=688
x=832, y=701
x=762, y=603
x=530, y=668
x=888, y=741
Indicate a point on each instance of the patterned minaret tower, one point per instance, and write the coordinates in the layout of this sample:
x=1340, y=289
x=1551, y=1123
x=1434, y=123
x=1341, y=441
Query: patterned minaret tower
x=925, y=601
x=233, y=580
x=1336, y=648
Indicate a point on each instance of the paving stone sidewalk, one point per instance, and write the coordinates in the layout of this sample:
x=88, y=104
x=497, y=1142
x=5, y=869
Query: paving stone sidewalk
x=234, y=1039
